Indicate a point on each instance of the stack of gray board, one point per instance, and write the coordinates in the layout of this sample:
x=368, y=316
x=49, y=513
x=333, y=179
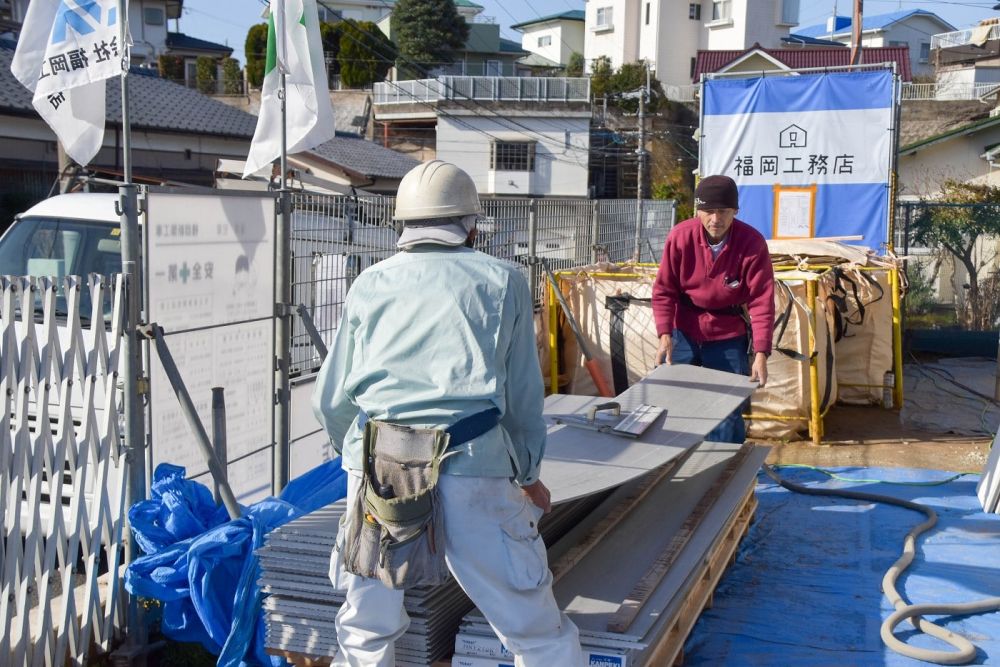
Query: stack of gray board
x=592, y=592
x=580, y=465
x=301, y=604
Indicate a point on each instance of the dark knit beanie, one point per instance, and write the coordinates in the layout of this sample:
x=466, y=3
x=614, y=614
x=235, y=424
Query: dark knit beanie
x=716, y=192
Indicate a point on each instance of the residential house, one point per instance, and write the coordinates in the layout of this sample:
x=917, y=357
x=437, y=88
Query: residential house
x=179, y=135
x=912, y=28
x=758, y=59
x=356, y=10
x=485, y=53
x=523, y=136
x=967, y=61
x=669, y=34
x=552, y=39
x=151, y=35
x=968, y=151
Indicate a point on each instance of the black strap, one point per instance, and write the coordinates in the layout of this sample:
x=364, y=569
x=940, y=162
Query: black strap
x=782, y=324
x=462, y=431
x=618, y=304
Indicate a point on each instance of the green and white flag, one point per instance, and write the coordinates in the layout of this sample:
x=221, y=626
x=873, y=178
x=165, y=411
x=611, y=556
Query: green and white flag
x=294, y=47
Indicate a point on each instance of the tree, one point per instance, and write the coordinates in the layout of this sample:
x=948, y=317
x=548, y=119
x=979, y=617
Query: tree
x=575, y=65
x=428, y=33
x=366, y=54
x=959, y=223
x=256, y=52
x=206, y=73
x=171, y=68
x=600, y=77
x=232, y=77
x=330, y=35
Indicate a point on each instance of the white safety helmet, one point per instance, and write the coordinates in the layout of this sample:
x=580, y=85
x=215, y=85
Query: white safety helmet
x=436, y=203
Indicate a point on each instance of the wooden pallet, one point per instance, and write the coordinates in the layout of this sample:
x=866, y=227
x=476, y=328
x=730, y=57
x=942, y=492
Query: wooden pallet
x=670, y=650
x=699, y=597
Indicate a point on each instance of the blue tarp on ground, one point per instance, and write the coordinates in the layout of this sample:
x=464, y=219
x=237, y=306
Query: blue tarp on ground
x=806, y=586
x=202, y=566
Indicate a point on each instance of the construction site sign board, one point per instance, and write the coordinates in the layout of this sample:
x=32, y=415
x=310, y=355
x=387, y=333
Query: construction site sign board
x=210, y=286
x=817, y=144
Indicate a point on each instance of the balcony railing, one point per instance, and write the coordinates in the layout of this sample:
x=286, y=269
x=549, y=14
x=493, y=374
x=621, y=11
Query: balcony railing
x=949, y=91
x=974, y=35
x=484, y=88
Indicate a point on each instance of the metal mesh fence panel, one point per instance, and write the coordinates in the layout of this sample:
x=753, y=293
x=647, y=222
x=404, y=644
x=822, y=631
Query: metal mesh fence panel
x=334, y=238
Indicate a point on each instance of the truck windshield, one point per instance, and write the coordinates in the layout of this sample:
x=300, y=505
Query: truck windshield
x=56, y=247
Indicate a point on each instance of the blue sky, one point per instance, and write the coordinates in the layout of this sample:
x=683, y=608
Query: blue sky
x=227, y=21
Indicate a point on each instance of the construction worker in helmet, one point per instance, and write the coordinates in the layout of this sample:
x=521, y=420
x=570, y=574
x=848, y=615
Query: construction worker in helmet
x=435, y=362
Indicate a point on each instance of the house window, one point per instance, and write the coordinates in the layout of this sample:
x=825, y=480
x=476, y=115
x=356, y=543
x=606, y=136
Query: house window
x=512, y=156
x=789, y=12
x=722, y=10
x=925, y=51
x=694, y=12
x=647, y=13
x=153, y=15
x=604, y=18
x=545, y=40
x=693, y=63
x=493, y=68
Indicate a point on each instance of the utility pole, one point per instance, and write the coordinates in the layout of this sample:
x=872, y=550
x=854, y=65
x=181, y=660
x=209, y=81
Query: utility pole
x=856, y=20
x=641, y=160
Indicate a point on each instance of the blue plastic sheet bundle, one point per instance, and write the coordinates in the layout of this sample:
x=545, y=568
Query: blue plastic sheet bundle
x=202, y=566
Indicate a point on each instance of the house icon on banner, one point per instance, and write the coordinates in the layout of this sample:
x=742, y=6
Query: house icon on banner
x=792, y=136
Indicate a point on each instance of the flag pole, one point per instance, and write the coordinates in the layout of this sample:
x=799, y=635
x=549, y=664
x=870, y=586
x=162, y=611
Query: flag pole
x=132, y=370
x=283, y=282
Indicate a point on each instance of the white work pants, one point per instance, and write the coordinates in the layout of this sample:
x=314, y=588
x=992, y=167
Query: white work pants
x=493, y=549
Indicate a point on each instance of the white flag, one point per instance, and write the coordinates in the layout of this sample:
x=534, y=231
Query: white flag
x=66, y=50
x=293, y=46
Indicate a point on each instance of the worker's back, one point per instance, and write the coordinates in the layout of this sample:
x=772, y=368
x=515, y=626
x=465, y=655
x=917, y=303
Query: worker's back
x=433, y=334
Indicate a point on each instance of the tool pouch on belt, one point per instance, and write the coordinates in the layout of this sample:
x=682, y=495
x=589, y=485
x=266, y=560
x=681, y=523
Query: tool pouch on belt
x=396, y=531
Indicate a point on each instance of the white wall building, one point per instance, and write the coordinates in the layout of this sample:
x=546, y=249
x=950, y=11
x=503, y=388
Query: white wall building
x=555, y=37
x=669, y=34
x=912, y=28
x=534, y=157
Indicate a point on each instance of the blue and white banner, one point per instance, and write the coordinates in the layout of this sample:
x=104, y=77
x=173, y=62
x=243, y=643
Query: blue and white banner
x=811, y=153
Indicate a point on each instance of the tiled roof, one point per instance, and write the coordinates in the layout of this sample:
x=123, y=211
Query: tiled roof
x=537, y=60
x=876, y=22
x=714, y=61
x=571, y=15
x=510, y=46
x=364, y=157
x=180, y=41
x=961, y=130
x=812, y=41
x=157, y=104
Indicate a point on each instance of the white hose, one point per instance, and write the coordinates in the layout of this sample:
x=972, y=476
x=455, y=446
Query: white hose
x=966, y=651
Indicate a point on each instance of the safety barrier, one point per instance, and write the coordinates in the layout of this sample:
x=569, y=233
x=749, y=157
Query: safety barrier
x=60, y=349
x=336, y=237
x=791, y=275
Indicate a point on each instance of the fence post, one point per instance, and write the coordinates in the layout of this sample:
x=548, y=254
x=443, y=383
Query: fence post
x=594, y=229
x=533, y=245
x=219, y=438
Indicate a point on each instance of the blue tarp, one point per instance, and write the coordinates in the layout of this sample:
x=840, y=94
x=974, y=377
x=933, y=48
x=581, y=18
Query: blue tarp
x=806, y=586
x=202, y=566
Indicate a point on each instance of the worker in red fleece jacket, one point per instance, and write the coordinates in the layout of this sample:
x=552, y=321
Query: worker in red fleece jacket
x=715, y=272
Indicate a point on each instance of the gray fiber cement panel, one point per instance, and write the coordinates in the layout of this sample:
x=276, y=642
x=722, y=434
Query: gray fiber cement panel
x=579, y=462
x=594, y=589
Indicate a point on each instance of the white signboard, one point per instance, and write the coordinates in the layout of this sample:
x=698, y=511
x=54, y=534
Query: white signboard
x=793, y=210
x=210, y=281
